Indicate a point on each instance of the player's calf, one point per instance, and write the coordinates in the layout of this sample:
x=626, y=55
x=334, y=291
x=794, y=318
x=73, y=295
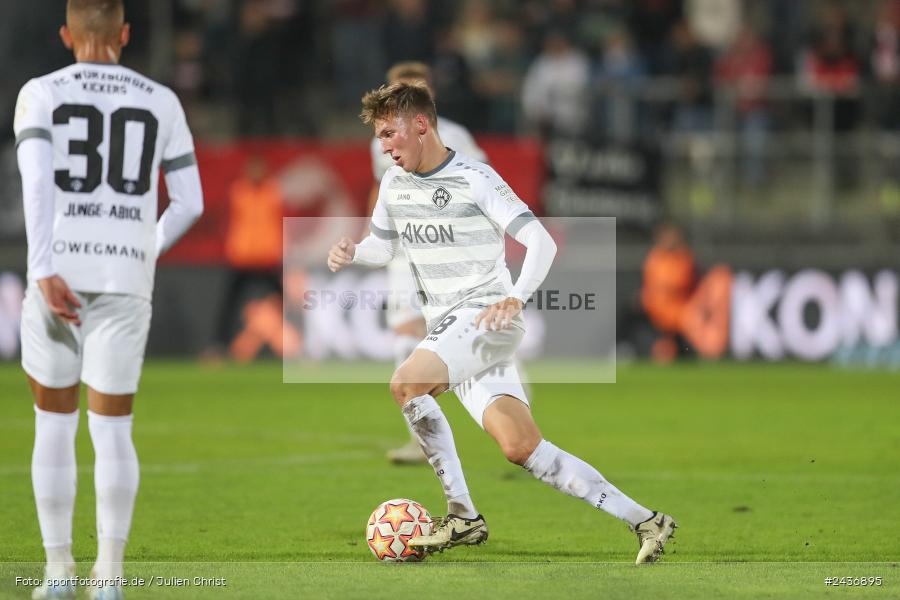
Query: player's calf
x=116, y=477
x=432, y=431
x=54, y=476
x=508, y=420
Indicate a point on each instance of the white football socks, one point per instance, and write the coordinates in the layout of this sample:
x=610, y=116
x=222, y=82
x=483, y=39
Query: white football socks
x=573, y=476
x=53, y=476
x=116, y=477
x=403, y=347
x=110, y=557
x=430, y=428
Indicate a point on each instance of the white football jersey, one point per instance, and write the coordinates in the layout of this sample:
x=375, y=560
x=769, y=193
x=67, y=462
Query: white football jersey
x=112, y=129
x=451, y=223
x=455, y=136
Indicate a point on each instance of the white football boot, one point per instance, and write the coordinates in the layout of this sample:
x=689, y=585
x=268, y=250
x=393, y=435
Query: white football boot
x=408, y=454
x=105, y=592
x=652, y=535
x=452, y=531
x=63, y=584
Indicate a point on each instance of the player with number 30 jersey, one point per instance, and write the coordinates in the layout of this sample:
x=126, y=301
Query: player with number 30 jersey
x=91, y=140
x=111, y=130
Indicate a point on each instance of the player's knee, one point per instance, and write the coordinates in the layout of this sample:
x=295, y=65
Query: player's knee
x=397, y=389
x=403, y=390
x=517, y=450
x=110, y=405
x=58, y=400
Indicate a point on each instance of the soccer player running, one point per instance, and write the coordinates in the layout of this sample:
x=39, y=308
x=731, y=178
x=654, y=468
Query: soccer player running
x=403, y=314
x=449, y=213
x=90, y=141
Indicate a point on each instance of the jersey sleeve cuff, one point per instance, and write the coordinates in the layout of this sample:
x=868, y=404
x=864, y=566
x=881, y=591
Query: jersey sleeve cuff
x=37, y=273
x=384, y=234
x=520, y=296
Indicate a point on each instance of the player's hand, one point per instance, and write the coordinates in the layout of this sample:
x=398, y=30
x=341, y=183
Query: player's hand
x=60, y=299
x=341, y=254
x=500, y=315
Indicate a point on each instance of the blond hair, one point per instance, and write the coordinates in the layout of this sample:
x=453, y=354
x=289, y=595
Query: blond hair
x=398, y=99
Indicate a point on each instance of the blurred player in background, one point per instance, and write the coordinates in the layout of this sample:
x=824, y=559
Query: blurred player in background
x=90, y=140
x=669, y=278
x=403, y=314
x=449, y=213
x=253, y=251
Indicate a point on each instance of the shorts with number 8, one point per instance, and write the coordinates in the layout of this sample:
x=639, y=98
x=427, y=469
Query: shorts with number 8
x=480, y=363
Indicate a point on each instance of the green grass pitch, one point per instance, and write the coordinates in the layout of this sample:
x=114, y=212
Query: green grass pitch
x=779, y=476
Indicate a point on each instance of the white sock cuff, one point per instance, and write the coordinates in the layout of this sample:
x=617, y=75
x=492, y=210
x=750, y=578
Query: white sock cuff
x=56, y=416
x=541, y=458
x=420, y=407
x=97, y=419
x=59, y=555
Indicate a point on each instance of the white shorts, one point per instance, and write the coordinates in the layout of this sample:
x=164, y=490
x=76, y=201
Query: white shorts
x=480, y=363
x=106, y=351
x=402, y=305
x=480, y=391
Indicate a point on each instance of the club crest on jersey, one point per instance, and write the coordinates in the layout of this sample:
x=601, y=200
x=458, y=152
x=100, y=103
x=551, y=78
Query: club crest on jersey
x=441, y=197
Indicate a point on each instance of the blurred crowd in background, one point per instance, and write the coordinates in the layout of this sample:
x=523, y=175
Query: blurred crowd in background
x=298, y=67
x=763, y=134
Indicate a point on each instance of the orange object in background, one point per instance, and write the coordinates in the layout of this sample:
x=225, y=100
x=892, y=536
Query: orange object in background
x=707, y=316
x=265, y=326
x=669, y=278
x=679, y=306
x=253, y=239
x=253, y=250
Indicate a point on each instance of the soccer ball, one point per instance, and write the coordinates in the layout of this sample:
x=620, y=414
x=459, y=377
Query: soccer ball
x=392, y=525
